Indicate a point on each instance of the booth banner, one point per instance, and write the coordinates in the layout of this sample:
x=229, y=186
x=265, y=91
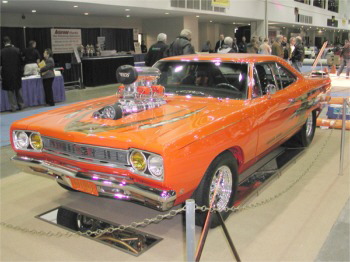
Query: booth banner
x=221, y=3
x=64, y=40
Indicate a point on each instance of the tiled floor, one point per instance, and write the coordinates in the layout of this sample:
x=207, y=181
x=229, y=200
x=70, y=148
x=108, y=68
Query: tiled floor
x=308, y=223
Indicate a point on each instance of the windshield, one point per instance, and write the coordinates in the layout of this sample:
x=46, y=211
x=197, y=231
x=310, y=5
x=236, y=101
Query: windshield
x=215, y=79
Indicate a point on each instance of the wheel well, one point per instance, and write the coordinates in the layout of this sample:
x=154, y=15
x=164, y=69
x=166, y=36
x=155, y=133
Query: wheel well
x=237, y=153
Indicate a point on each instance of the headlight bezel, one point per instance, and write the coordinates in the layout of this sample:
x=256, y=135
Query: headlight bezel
x=28, y=146
x=147, y=172
x=31, y=141
x=151, y=169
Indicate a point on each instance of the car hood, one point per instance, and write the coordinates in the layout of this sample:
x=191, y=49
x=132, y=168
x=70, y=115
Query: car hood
x=181, y=120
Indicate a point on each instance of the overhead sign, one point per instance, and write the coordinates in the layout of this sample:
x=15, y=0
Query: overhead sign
x=221, y=3
x=64, y=40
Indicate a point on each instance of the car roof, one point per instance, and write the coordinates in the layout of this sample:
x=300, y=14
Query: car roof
x=233, y=57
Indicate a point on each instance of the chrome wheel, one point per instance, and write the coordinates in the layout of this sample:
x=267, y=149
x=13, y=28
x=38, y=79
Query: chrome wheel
x=309, y=125
x=224, y=190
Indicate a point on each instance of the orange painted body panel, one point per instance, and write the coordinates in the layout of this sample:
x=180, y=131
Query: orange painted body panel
x=250, y=127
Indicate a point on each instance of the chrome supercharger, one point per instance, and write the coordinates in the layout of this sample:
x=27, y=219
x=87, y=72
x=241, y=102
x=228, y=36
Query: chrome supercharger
x=139, y=92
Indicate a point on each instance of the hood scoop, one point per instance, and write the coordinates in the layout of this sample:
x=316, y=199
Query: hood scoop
x=139, y=92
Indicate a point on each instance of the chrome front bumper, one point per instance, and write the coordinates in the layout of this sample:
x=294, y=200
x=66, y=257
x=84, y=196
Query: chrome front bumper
x=108, y=185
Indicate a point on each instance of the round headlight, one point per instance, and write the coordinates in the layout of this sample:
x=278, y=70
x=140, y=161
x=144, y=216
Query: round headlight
x=35, y=141
x=21, y=140
x=155, y=165
x=138, y=161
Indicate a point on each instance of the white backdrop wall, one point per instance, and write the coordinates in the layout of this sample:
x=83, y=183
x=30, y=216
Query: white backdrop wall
x=170, y=26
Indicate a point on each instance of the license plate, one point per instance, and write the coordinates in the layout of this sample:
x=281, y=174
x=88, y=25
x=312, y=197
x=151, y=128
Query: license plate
x=84, y=186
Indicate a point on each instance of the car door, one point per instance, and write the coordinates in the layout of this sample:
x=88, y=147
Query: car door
x=272, y=107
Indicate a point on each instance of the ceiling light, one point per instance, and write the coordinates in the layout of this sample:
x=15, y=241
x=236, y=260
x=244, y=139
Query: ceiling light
x=293, y=25
x=127, y=10
x=197, y=15
x=5, y=2
x=234, y=23
x=75, y=6
x=33, y=11
x=127, y=15
x=86, y=13
x=248, y=24
x=210, y=21
x=166, y=13
x=284, y=27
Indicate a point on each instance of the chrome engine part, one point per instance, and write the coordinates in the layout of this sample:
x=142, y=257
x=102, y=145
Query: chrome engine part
x=140, y=92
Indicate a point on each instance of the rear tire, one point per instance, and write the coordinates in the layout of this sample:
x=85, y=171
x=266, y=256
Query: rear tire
x=227, y=165
x=305, y=135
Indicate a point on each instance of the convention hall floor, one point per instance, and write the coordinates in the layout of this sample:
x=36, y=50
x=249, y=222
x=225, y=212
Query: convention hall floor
x=310, y=222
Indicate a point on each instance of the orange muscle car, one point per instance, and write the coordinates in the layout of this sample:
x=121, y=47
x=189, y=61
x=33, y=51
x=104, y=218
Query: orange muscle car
x=218, y=115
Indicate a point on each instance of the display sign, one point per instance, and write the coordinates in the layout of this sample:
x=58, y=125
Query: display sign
x=221, y=3
x=137, y=47
x=101, y=41
x=64, y=40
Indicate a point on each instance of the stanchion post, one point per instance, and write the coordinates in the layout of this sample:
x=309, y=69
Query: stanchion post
x=190, y=229
x=342, y=143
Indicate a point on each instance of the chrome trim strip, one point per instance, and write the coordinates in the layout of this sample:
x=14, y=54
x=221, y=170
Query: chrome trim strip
x=106, y=184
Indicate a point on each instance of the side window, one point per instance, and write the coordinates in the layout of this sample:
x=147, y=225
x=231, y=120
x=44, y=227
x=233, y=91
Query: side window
x=284, y=77
x=265, y=72
x=256, y=92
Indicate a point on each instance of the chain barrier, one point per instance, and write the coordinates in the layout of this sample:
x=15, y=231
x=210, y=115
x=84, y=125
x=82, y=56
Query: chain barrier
x=170, y=214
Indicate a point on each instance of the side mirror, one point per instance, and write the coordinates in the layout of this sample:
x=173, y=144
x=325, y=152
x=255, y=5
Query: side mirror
x=270, y=89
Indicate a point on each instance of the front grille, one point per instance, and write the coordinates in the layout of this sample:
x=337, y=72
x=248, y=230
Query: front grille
x=95, y=154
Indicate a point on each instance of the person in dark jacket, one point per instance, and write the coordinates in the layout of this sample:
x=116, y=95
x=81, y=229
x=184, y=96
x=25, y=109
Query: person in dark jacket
x=156, y=51
x=277, y=48
x=242, y=46
x=345, y=55
x=298, y=54
x=48, y=75
x=11, y=73
x=182, y=44
x=219, y=43
x=31, y=58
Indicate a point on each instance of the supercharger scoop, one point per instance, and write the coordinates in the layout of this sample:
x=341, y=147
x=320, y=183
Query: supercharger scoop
x=139, y=92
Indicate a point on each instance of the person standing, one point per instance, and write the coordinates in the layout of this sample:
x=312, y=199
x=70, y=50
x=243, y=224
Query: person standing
x=227, y=46
x=182, y=44
x=242, y=46
x=219, y=43
x=264, y=48
x=277, y=49
x=290, y=49
x=48, y=75
x=252, y=47
x=235, y=48
x=298, y=54
x=345, y=55
x=156, y=51
x=11, y=73
x=207, y=47
x=31, y=59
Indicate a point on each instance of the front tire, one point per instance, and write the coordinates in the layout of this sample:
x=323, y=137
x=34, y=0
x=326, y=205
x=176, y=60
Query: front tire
x=226, y=165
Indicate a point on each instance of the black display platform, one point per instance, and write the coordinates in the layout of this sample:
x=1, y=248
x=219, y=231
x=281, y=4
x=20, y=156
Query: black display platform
x=99, y=71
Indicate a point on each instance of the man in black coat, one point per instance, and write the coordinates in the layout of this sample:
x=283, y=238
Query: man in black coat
x=11, y=74
x=242, y=46
x=298, y=54
x=182, y=44
x=219, y=43
x=156, y=51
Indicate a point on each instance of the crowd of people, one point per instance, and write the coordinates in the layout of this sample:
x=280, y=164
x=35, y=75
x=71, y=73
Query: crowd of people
x=16, y=63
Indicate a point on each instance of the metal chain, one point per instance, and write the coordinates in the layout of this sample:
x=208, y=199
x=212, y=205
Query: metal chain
x=171, y=214
x=98, y=232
